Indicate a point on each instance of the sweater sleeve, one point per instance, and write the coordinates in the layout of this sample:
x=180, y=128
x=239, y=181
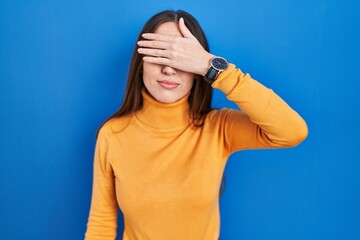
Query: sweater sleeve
x=102, y=221
x=265, y=121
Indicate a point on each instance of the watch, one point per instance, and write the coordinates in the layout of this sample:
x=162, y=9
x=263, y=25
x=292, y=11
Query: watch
x=217, y=65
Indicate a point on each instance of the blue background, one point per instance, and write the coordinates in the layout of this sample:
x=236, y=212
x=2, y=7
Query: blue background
x=63, y=67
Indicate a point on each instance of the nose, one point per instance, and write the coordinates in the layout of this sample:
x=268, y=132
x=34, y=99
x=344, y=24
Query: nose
x=168, y=70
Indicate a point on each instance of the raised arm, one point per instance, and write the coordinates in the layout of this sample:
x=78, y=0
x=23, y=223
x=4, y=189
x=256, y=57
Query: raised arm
x=266, y=121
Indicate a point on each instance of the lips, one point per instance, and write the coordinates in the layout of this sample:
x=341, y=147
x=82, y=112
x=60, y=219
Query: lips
x=168, y=84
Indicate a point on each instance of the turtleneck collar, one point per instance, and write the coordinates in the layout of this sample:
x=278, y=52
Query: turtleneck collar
x=163, y=116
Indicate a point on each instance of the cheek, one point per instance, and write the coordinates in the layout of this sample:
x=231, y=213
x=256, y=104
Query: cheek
x=145, y=71
x=190, y=84
x=189, y=81
x=149, y=71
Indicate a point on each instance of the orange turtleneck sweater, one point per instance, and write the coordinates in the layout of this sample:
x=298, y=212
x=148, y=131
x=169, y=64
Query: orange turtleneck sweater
x=165, y=175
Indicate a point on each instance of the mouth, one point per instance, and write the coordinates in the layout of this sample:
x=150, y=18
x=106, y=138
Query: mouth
x=168, y=84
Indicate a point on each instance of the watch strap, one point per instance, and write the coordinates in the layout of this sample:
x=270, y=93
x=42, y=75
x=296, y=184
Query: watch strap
x=211, y=75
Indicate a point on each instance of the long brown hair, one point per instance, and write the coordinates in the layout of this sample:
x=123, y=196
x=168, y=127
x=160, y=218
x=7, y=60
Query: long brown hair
x=201, y=91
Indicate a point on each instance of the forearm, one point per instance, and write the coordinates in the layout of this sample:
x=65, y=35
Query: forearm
x=281, y=125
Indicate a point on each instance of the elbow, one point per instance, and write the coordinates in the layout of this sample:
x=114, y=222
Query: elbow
x=298, y=135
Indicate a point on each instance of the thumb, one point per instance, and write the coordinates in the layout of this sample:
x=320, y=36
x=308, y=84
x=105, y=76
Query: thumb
x=184, y=30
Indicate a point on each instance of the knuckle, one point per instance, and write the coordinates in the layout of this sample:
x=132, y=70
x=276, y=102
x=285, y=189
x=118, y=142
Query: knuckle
x=162, y=61
x=177, y=39
x=173, y=54
x=171, y=62
x=157, y=52
x=173, y=45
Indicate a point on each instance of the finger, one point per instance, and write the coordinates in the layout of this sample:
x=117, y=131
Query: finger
x=157, y=60
x=153, y=44
x=157, y=36
x=152, y=52
x=184, y=30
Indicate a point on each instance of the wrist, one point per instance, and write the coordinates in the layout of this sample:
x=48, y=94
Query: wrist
x=217, y=65
x=206, y=64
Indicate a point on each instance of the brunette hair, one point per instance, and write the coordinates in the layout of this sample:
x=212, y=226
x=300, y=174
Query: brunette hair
x=201, y=92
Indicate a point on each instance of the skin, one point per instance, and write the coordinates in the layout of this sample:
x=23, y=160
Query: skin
x=172, y=54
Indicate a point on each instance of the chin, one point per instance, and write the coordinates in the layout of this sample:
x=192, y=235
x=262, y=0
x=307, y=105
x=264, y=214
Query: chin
x=166, y=99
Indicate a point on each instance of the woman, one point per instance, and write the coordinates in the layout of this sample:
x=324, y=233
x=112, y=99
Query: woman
x=161, y=157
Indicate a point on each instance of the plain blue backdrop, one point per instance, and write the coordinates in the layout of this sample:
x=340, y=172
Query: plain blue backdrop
x=63, y=67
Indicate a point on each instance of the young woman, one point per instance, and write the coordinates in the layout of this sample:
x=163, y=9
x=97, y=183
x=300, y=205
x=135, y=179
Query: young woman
x=161, y=157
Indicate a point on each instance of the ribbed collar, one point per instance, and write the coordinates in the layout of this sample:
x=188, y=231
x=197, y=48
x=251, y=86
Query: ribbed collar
x=163, y=116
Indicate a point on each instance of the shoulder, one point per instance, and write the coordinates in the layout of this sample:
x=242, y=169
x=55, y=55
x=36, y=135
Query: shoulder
x=215, y=118
x=116, y=124
x=225, y=117
x=217, y=115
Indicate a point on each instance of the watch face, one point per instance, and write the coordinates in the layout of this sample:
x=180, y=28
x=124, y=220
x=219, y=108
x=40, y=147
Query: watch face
x=219, y=63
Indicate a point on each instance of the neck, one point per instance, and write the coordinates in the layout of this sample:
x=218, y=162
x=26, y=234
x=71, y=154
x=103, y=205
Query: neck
x=163, y=115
